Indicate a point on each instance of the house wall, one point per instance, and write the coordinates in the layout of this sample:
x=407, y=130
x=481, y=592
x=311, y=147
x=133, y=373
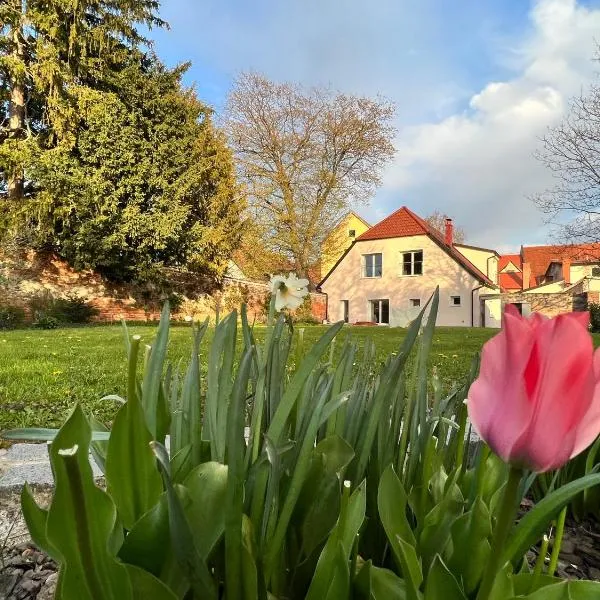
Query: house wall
x=339, y=240
x=346, y=282
x=484, y=260
x=578, y=272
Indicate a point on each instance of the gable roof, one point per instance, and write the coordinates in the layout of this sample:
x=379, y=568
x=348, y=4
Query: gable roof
x=510, y=281
x=401, y=223
x=541, y=257
x=405, y=223
x=506, y=259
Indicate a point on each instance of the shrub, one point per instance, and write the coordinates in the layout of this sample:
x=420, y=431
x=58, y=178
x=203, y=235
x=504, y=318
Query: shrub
x=11, y=317
x=68, y=309
x=353, y=481
x=46, y=322
x=594, y=316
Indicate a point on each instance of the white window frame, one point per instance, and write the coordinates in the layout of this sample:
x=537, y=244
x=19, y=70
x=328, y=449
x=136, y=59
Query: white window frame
x=363, y=266
x=459, y=301
x=412, y=300
x=412, y=263
x=371, y=311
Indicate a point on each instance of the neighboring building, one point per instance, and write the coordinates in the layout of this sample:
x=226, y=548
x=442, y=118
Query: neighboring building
x=551, y=279
x=390, y=271
x=340, y=239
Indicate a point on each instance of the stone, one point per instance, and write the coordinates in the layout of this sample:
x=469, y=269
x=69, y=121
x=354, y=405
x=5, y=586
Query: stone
x=7, y=583
x=47, y=590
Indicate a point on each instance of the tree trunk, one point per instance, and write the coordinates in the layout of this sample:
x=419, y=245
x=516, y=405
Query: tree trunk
x=16, y=125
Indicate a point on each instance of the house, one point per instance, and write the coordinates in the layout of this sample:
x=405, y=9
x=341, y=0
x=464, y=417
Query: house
x=551, y=279
x=340, y=238
x=389, y=272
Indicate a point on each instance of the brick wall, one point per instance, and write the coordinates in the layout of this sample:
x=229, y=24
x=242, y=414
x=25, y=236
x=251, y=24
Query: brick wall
x=26, y=274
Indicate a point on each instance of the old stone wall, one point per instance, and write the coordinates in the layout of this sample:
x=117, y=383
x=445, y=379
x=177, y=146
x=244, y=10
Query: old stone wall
x=549, y=305
x=27, y=274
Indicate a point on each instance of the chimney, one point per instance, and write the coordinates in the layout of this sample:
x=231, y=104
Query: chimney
x=566, y=270
x=526, y=275
x=449, y=237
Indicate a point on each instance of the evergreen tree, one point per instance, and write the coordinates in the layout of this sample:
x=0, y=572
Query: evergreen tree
x=149, y=182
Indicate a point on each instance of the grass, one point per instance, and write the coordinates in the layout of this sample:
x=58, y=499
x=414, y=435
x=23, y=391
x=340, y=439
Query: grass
x=44, y=373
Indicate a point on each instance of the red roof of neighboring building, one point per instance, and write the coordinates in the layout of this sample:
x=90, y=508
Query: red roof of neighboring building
x=540, y=257
x=404, y=223
x=505, y=259
x=510, y=281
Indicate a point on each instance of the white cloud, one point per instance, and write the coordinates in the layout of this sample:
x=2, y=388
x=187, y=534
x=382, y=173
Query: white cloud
x=478, y=165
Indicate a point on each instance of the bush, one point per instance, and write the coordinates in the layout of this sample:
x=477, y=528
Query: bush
x=594, y=316
x=11, y=317
x=69, y=309
x=47, y=322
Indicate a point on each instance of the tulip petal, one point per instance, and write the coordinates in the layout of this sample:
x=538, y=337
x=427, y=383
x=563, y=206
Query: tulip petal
x=497, y=403
x=560, y=388
x=589, y=428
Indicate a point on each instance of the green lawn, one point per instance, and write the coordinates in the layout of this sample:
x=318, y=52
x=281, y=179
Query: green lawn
x=43, y=373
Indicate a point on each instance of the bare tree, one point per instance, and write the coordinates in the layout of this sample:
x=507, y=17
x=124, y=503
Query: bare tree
x=571, y=151
x=438, y=221
x=305, y=156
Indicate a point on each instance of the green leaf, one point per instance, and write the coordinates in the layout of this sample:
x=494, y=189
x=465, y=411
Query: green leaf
x=441, y=584
x=153, y=374
x=132, y=478
x=99, y=448
x=565, y=590
x=533, y=525
x=36, y=519
x=146, y=586
x=375, y=583
x=336, y=452
x=82, y=519
x=207, y=487
x=391, y=503
x=293, y=390
x=331, y=580
x=188, y=556
x=249, y=570
x=148, y=543
x=470, y=542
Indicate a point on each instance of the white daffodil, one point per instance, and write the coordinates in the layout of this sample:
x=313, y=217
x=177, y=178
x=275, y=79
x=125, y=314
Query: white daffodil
x=289, y=291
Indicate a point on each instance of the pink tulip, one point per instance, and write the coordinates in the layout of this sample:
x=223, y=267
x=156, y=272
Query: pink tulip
x=536, y=401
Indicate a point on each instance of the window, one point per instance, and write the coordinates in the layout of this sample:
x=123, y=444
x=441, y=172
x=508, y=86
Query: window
x=454, y=300
x=380, y=311
x=372, y=265
x=345, y=310
x=595, y=271
x=415, y=302
x=412, y=263
x=352, y=233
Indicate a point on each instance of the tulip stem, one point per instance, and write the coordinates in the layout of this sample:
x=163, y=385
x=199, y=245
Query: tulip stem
x=506, y=518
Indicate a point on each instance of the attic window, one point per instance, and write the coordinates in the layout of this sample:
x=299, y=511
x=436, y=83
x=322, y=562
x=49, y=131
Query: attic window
x=352, y=233
x=412, y=263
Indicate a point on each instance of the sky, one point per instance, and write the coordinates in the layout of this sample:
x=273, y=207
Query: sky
x=476, y=84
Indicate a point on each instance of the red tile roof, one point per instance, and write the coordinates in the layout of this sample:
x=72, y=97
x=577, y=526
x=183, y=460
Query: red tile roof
x=515, y=259
x=540, y=257
x=510, y=281
x=401, y=223
x=404, y=223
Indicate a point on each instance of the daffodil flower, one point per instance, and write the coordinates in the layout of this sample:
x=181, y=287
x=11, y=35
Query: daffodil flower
x=289, y=291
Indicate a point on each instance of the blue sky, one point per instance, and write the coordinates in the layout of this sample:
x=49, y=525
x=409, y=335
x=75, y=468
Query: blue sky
x=476, y=82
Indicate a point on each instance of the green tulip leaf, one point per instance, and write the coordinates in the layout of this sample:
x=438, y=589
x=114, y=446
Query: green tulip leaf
x=146, y=586
x=375, y=583
x=441, y=584
x=535, y=523
x=133, y=480
x=207, y=487
x=82, y=520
